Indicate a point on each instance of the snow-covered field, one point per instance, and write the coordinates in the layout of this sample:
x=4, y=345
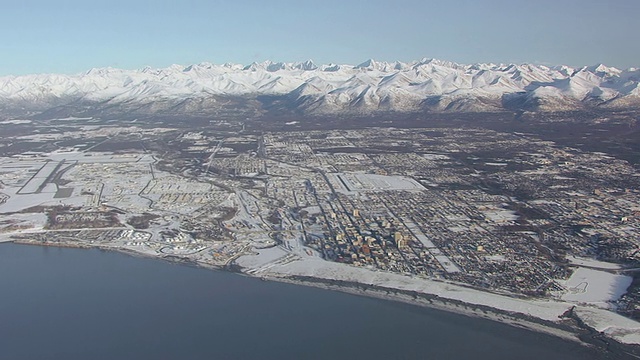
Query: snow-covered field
x=616, y=326
x=595, y=287
x=353, y=182
x=591, y=263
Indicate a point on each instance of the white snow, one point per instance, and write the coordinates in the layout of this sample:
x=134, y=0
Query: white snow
x=37, y=180
x=261, y=257
x=372, y=182
x=595, y=287
x=21, y=202
x=499, y=215
x=15, y=122
x=591, y=263
x=549, y=310
x=616, y=326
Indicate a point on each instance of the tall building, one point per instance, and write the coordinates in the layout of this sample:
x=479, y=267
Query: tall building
x=399, y=239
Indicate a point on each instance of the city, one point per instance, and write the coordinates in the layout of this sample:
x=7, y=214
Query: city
x=503, y=213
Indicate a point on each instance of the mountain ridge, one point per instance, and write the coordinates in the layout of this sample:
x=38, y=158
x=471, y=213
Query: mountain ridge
x=307, y=88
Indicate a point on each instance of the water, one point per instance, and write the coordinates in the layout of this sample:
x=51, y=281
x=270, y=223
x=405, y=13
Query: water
x=90, y=304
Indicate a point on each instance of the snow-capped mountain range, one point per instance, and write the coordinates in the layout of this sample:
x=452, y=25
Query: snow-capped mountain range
x=425, y=85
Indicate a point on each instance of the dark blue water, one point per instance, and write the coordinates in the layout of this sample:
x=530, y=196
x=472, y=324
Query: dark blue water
x=89, y=304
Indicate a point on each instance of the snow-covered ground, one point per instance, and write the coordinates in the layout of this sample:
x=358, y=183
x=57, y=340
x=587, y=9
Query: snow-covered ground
x=15, y=122
x=591, y=263
x=353, y=182
x=261, y=258
x=499, y=215
x=595, y=287
x=616, y=326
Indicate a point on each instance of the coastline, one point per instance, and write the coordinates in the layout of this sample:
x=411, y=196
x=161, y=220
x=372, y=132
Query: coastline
x=569, y=326
x=571, y=329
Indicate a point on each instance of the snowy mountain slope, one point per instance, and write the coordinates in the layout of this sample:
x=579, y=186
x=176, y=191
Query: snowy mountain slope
x=371, y=86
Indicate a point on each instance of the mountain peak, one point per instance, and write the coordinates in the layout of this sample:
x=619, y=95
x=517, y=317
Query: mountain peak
x=254, y=66
x=100, y=71
x=369, y=64
x=603, y=70
x=306, y=65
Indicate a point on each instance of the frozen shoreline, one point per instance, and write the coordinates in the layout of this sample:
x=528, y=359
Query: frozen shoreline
x=564, y=331
x=566, y=324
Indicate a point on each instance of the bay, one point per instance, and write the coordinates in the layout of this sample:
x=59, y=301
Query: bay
x=61, y=303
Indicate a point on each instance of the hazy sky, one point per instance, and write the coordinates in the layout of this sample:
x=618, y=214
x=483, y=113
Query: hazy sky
x=72, y=36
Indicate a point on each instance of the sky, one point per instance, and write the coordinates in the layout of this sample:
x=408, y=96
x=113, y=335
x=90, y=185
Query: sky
x=44, y=36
